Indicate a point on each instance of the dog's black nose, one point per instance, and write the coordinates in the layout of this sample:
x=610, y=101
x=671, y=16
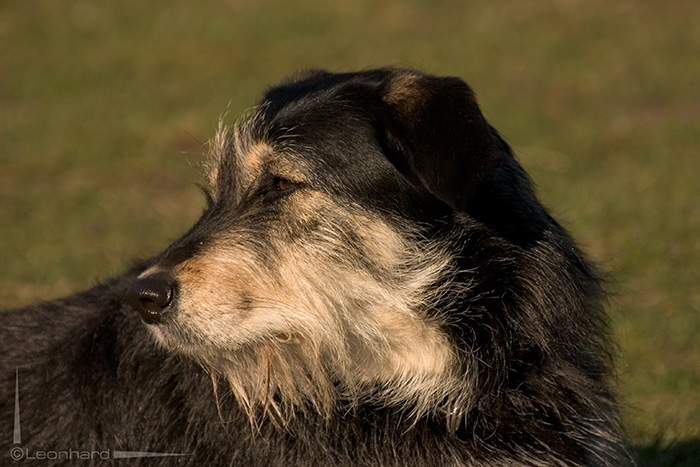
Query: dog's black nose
x=151, y=296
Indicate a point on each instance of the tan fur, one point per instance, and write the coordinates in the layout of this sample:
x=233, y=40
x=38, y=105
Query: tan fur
x=217, y=149
x=235, y=140
x=313, y=322
x=251, y=157
x=404, y=90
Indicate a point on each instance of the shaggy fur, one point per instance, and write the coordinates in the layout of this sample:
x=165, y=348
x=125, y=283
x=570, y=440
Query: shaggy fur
x=373, y=282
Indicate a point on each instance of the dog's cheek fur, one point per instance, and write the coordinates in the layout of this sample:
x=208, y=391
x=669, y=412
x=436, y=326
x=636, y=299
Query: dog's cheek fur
x=313, y=325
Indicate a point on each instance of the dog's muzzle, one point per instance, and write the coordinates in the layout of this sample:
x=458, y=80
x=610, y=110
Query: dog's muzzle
x=152, y=296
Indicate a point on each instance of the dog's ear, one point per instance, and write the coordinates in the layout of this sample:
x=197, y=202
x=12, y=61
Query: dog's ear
x=436, y=135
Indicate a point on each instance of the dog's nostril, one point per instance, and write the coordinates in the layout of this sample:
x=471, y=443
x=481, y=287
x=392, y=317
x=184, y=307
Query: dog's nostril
x=151, y=296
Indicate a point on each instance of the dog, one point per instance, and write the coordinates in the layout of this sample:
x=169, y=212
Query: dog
x=372, y=282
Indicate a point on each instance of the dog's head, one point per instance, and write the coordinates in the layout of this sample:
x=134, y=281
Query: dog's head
x=322, y=269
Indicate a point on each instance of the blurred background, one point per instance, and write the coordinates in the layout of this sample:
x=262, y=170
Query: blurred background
x=105, y=109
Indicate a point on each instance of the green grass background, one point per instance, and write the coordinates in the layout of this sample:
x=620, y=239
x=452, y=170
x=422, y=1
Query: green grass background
x=105, y=108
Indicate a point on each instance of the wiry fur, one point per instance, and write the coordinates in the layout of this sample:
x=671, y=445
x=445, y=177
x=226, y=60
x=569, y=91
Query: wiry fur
x=311, y=342
x=372, y=283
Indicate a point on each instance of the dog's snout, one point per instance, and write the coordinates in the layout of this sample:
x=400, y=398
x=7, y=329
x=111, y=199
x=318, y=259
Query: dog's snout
x=152, y=296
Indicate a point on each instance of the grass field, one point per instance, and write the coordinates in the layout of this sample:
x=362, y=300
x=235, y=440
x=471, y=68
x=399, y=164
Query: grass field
x=105, y=107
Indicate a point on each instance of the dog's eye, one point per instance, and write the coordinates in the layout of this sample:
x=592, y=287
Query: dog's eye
x=282, y=184
x=279, y=187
